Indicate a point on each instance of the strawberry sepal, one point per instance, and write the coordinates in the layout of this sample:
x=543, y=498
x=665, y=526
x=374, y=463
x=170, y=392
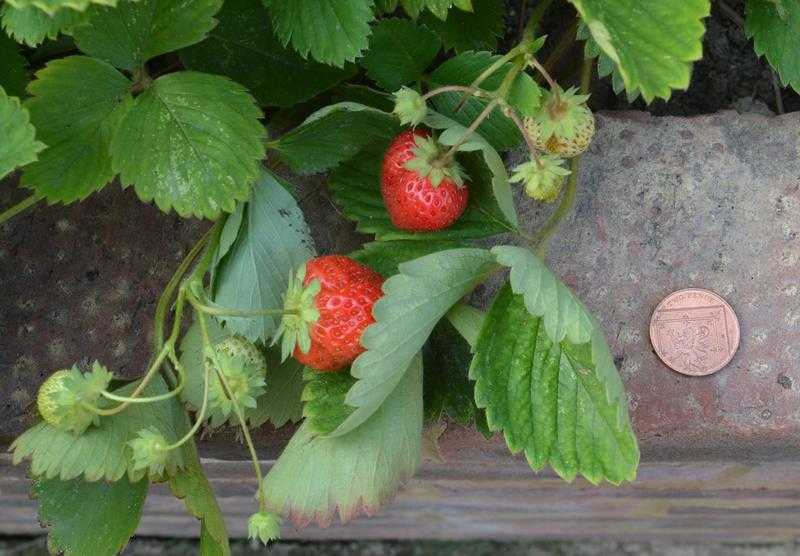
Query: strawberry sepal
x=301, y=313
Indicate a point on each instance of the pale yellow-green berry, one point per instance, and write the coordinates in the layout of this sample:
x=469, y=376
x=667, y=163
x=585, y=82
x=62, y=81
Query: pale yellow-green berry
x=542, y=178
x=46, y=399
x=409, y=106
x=264, y=526
x=564, y=125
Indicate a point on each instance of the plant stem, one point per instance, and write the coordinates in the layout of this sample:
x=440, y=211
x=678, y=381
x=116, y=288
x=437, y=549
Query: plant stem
x=448, y=156
x=450, y=89
x=148, y=376
x=533, y=21
x=540, y=68
x=565, y=42
x=776, y=88
x=731, y=13
x=129, y=400
x=198, y=418
x=497, y=64
x=542, y=236
x=22, y=206
x=226, y=312
x=544, y=233
x=262, y=503
x=534, y=152
x=162, y=308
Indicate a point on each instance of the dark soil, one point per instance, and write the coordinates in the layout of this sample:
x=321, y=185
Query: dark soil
x=730, y=75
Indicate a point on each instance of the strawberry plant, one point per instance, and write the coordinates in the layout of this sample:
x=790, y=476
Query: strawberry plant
x=408, y=111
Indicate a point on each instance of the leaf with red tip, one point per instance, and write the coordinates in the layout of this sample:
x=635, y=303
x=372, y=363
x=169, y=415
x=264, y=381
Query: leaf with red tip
x=317, y=477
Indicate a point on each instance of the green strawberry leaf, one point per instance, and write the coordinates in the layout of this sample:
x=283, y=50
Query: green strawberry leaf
x=333, y=134
x=414, y=300
x=274, y=240
x=774, y=30
x=192, y=142
x=399, y=51
x=448, y=393
x=52, y=7
x=192, y=486
x=452, y=134
x=242, y=47
x=653, y=48
x=31, y=26
x=413, y=7
x=74, y=106
x=96, y=518
x=102, y=451
x=605, y=65
x=19, y=146
x=498, y=129
x=356, y=186
x=315, y=477
x=386, y=6
x=324, y=408
x=136, y=31
x=280, y=403
x=13, y=68
x=361, y=94
x=332, y=31
x=384, y=257
x=560, y=402
x=477, y=29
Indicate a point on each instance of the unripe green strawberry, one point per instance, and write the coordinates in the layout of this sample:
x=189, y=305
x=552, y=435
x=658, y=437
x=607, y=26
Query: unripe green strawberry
x=244, y=368
x=542, y=178
x=235, y=346
x=563, y=126
x=65, y=398
x=46, y=398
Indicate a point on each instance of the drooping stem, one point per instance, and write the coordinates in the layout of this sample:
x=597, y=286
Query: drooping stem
x=151, y=372
x=228, y=312
x=452, y=89
x=547, y=77
x=198, y=418
x=534, y=152
x=448, y=156
x=535, y=19
x=262, y=503
x=496, y=65
x=165, y=300
x=542, y=236
x=20, y=207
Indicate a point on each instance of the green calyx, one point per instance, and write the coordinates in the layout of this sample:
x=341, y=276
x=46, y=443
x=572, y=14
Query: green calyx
x=300, y=313
x=150, y=451
x=561, y=113
x=542, y=178
x=243, y=367
x=409, y=106
x=67, y=396
x=431, y=162
x=264, y=526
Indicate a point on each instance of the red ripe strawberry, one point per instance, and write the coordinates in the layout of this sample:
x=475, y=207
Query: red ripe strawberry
x=421, y=192
x=329, y=304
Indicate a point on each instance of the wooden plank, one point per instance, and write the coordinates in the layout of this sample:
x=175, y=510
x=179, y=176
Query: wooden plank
x=671, y=501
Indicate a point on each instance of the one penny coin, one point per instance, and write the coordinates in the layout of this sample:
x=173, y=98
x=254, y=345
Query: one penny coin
x=694, y=332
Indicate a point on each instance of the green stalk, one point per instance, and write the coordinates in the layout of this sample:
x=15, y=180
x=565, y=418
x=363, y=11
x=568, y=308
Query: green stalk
x=20, y=207
x=541, y=238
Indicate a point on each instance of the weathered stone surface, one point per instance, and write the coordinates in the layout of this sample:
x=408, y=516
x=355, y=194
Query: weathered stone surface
x=711, y=202
x=664, y=203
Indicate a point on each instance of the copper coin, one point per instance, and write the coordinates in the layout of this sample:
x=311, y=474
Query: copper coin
x=694, y=332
